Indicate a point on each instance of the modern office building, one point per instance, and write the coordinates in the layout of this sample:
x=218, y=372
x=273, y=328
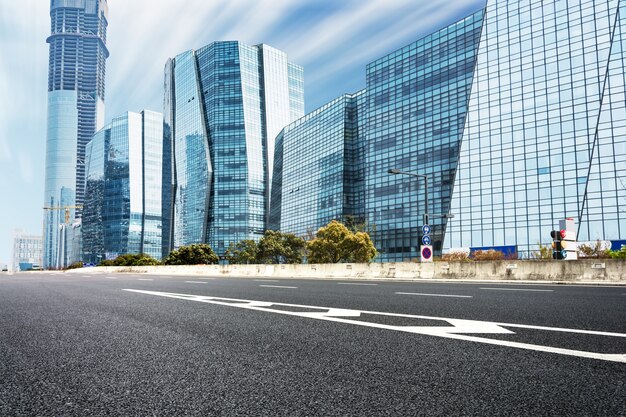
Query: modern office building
x=517, y=115
x=27, y=251
x=76, y=77
x=316, y=181
x=418, y=99
x=224, y=106
x=123, y=207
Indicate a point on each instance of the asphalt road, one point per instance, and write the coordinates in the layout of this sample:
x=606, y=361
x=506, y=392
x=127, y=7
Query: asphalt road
x=86, y=345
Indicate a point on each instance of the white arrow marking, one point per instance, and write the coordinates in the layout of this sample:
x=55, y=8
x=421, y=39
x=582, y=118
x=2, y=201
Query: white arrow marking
x=458, y=329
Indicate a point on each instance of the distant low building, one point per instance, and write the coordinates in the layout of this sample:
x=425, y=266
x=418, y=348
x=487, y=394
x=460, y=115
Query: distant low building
x=27, y=251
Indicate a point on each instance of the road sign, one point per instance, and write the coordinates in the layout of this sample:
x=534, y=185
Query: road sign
x=426, y=229
x=426, y=240
x=427, y=253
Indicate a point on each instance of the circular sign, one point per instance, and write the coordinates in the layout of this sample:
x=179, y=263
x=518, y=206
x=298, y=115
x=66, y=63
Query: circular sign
x=426, y=253
x=426, y=240
x=426, y=229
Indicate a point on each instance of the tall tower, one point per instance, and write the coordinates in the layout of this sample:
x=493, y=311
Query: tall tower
x=224, y=106
x=76, y=76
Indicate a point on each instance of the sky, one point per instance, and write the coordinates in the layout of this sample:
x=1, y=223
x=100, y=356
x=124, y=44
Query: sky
x=332, y=39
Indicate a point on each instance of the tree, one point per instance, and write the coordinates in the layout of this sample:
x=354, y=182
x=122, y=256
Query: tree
x=131, y=259
x=277, y=247
x=335, y=243
x=244, y=252
x=197, y=254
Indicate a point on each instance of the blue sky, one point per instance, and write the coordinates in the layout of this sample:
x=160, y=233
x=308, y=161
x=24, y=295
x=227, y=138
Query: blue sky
x=332, y=39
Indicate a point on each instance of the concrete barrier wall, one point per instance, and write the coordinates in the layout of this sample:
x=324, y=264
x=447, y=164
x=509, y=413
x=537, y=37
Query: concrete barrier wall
x=581, y=270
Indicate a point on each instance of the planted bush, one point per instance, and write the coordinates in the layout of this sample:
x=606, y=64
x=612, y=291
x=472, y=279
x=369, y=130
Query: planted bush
x=75, y=265
x=488, y=255
x=456, y=257
x=131, y=259
x=197, y=254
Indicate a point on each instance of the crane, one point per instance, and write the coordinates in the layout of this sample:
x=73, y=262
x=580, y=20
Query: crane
x=67, y=211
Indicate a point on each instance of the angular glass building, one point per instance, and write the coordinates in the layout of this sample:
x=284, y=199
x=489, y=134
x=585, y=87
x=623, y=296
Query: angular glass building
x=76, y=77
x=123, y=207
x=517, y=115
x=224, y=106
x=545, y=136
x=418, y=99
x=316, y=181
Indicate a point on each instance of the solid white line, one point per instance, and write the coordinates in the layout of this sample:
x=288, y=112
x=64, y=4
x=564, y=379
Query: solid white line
x=353, y=283
x=266, y=280
x=196, y=282
x=275, y=286
x=458, y=329
x=516, y=289
x=145, y=279
x=435, y=295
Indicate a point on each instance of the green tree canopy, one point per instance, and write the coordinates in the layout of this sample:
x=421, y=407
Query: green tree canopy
x=244, y=252
x=197, y=254
x=278, y=247
x=335, y=243
x=131, y=259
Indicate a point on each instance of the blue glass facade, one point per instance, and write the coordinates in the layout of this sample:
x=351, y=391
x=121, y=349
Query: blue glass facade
x=517, y=114
x=545, y=137
x=316, y=181
x=122, y=212
x=224, y=105
x=76, y=78
x=418, y=99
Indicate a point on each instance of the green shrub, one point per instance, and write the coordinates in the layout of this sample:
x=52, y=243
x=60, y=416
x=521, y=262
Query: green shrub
x=618, y=254
x=131, y=259
x=198, y=254
x=75, y=265
x=244, y=252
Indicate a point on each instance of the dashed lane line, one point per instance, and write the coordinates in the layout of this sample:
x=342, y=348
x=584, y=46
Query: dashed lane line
x=434, y=295
x=354, y=283
x=277, y=286
x=145, y=279
x=516, y=289
x=196, y=282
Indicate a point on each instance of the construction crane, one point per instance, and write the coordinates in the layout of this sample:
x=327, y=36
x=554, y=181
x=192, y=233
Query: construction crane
x=67, y=211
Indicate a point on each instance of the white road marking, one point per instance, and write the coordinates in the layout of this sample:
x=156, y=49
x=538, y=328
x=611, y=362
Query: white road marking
x=276, y=286
x=266, y=280
x=516, y=289
x=458, y=329
x=434, y=295
x=353, y=283
x=196, y=282
x=111, y=277
x=145, y=279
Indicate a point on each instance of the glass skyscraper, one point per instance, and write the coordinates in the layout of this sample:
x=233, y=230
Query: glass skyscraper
x=224, y=106
x=316, y=181
x=123, y=206
x=76, y=76
x=545, y=136
x=517, y=114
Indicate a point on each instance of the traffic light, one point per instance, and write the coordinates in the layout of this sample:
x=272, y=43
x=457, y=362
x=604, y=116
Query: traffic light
x=558, y=244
